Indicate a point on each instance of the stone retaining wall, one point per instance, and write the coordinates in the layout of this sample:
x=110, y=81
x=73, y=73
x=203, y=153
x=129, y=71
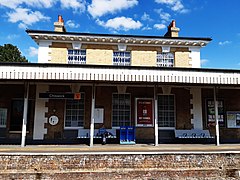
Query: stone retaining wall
x=170, y=166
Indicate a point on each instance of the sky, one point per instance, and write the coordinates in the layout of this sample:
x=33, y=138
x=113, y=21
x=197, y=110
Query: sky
x=216, y=19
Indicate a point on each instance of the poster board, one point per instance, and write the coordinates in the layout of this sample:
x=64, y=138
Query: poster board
x=144, y=112
x=211, y=113
x=233, y=119
x=98, y=115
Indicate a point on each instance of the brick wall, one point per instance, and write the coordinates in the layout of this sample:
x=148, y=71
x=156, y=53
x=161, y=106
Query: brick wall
x=230, y=98
x=168, y=166
x=103, y=54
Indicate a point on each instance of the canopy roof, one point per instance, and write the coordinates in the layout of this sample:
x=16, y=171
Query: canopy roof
x=103, y=73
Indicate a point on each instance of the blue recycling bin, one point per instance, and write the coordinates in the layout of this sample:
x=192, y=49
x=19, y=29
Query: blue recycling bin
x=127, y=135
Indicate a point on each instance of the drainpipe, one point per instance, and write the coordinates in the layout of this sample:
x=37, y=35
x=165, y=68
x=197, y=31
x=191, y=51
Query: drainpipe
x=25, y=112
x=155, y=116
x=216, y=117
x=92, y=116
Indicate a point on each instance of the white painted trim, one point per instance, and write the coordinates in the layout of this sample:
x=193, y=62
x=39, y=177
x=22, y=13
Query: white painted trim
x=153, y=41
x=122, y=47
x=81, y=73
x=197, y=120
x=25, y=113
x=165, y=49
x=44, y=51
x=39, y=119
x=76, y=45
x=195, y=56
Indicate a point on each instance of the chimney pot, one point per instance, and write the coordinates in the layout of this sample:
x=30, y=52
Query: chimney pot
x=172, y=30
x=59, y=25
x=60, y=19
x=173, y=23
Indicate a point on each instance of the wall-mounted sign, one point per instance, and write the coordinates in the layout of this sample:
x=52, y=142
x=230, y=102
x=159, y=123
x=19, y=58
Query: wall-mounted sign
x=98, y=115
x=233, y=119
x=53, y=120
x=211, y=113
x=144, y=112
x=54, y=95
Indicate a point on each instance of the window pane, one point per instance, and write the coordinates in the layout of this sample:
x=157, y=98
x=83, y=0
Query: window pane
x=3, y=117
x=76, y=56
x=165, y=59
x=74, y=116
x=122, y=58
x=121, y=111
x=166, y=111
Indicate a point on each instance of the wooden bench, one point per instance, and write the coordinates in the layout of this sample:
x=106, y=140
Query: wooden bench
x=85, y=133
x=193, y=133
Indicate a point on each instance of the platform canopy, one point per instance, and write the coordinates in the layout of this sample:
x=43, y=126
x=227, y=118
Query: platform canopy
x=66, y=72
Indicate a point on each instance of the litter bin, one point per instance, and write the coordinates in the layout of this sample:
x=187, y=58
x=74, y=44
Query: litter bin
x=127, y=135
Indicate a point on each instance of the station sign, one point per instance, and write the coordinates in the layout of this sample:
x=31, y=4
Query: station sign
x=54, y=95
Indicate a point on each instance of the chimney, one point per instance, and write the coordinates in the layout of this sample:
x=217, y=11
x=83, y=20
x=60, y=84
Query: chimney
x=59, y=25
x=172, y=30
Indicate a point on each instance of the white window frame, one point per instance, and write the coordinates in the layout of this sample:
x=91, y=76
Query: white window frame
x=120, y=58
x=114, y=126
x=165, y=59
x=84, y=104
x=174, y=111
x=78, y=56
x=3, y=117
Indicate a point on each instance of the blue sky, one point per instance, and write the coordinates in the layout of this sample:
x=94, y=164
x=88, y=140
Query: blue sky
x=217, y=19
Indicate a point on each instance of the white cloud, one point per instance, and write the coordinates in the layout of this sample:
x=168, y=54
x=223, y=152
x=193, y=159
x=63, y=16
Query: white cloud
x=32, y=51
x=224, y=43
x=12, y=36
x=99, y=8
x=163, y=15
x=175, y=5
x=74, y=4
x=33, y=3
x=146, y=17
x=146, y=28
x=72, y=24
x=120, y=23
x=159, y=26
x=204, y=61
x=77, y=5
x=26, y=17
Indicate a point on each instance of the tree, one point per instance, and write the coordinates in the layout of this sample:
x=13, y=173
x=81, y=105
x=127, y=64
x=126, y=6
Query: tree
x=10, y=53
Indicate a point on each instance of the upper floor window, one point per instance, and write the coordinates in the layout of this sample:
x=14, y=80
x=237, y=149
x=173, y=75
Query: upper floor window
x=122, y=58
x=77, y=56
x=165, y=59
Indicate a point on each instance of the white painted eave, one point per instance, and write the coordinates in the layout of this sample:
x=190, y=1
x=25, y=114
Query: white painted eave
x=118, y=74
x=145, y=40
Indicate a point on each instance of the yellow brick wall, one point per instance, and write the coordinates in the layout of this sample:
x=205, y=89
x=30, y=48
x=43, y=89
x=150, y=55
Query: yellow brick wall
x=58, y=52
x=143, y=58
x=182, y=59
x=99, y=56
x=103, y=54
x=58, y=55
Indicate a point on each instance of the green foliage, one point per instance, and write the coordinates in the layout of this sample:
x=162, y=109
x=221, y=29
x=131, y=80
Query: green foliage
x=10, y=53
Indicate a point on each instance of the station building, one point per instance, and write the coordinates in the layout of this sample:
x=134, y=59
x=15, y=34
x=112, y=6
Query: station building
x=83, y=81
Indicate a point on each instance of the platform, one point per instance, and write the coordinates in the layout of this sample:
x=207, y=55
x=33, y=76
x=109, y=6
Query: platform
x=121, y=149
